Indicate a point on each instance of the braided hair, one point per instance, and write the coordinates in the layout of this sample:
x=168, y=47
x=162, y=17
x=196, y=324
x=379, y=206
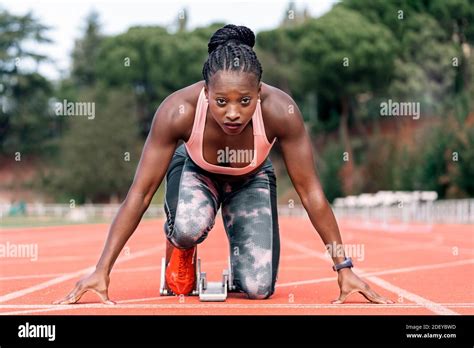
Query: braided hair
x=230, y=48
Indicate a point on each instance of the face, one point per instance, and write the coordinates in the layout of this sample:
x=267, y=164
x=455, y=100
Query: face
x=232, y=98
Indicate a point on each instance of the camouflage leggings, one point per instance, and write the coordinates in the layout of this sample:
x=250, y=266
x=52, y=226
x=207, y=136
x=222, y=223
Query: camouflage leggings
x=193, y=197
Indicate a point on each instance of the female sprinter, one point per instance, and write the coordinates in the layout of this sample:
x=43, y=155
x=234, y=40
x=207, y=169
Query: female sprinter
x=230, y=112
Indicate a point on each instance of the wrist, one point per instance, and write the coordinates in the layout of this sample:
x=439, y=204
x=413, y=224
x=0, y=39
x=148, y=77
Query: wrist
x=338, y=260
x=347, y=263
x=344, y=271
x=102, y=270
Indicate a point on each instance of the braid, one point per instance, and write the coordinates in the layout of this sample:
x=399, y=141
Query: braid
x=230, y=48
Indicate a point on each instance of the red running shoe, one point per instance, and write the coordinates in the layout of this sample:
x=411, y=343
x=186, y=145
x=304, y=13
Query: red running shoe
x=181, y=271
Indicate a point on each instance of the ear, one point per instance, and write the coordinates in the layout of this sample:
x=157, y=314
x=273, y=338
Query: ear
x=206, y=92
x=259, y=89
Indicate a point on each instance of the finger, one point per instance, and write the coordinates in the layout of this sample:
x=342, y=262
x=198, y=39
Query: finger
x=104, y=297
x=60, y=301
x=67, y=300
x=68, y=296
x=372, y=296
x=342, y=297
x=74, y=296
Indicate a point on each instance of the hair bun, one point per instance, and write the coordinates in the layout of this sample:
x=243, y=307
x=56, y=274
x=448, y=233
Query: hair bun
x=231, y=33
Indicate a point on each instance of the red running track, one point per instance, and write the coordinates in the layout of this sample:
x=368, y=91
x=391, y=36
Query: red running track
x=425, y=269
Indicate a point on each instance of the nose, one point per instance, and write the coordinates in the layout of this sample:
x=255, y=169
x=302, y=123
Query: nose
x=232, y=113
x=232, y=118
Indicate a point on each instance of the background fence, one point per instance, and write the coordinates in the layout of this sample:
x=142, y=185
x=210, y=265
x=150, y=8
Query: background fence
x=442, y=211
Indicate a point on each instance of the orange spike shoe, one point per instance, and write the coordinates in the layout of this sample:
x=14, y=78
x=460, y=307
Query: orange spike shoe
x=181, y=271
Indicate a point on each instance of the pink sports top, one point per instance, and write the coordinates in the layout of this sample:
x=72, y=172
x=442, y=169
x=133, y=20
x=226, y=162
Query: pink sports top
x=194, y=144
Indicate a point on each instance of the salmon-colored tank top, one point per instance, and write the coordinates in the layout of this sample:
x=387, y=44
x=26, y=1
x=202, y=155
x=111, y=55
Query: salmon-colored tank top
x=194, y=144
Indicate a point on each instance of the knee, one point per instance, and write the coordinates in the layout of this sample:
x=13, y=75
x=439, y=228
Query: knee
x=263, y=292
x=185, y=237
x=183, y=241
x=260, y=295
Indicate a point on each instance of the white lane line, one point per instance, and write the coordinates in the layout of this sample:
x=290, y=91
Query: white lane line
x=124, y=304
x=51, y=308
x=141, y=299
x=432, y=306
x=226, y=306
x=44, y=285
x=388, y=227
x=390, y=271
x=68, y=276
x=46, y=241
x=131, y=269
x=32, y=276
x=120, y=270
x=28, y=261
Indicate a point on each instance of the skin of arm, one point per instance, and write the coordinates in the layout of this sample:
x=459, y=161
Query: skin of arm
x=156, y=156
x=298, y=156
x=168, y=127
x=295, y=143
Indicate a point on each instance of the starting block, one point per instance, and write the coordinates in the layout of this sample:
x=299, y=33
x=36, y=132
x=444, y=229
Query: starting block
x=207, y=291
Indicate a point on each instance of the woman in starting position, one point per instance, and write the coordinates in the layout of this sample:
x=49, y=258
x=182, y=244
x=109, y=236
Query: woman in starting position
x=228, y=122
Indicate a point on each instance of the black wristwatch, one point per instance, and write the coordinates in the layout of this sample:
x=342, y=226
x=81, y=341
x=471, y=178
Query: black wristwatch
x=347, y=263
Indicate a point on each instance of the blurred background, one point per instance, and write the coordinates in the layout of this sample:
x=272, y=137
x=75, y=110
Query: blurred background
x=342, y=62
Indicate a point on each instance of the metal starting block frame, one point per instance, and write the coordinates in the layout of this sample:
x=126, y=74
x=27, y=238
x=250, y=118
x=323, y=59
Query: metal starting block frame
x=207, y=291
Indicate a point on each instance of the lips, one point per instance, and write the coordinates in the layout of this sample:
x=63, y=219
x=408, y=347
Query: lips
x=232, y=125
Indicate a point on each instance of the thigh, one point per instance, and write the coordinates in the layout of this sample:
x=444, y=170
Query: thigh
x=191, y=200
x=250, y=218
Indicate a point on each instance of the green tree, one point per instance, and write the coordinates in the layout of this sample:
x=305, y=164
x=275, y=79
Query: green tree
x=85, y=54
x=155, y=62
x=329, y=168
x=455, y=18
x=25, y=121
x=98, y=155
x=423, y=70
x=464, y=174
x=294, y=16
x=340, y=62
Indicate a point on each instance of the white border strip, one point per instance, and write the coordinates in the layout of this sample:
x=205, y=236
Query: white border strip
x=51, y=308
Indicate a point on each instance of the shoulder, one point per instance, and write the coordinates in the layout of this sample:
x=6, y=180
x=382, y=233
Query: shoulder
x=279, y=110
x=187, y=96
x=178, y=109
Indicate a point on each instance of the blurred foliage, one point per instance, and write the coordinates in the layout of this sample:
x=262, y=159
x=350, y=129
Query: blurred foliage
x=154, y=62
x=339, y=68
x=98, y=156
x=85, y=55
x=329, y=167
x=25, y=122
x=424, y=70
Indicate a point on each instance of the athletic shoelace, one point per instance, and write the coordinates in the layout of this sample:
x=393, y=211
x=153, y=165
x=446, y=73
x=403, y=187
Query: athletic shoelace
x=183, y=261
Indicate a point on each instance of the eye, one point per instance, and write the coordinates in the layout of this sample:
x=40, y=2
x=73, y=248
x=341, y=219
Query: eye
x=220, y=101
x=246, y=100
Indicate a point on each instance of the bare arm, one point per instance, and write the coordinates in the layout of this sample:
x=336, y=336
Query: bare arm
x=156, y=156
x=298, y=157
